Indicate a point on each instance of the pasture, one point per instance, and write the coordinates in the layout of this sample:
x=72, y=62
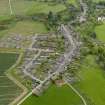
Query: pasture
x=92, y=83
x=73, y=2
x=55, y=96
x=28, y=7
x=8, y=90
x=100, y=31
x=4, y=7
x=27, y=28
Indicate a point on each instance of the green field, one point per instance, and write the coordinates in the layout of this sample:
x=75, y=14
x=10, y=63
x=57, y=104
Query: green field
x=92, y=83
x=29, y=7
x=100, y=31
x=8, y=90
x=55, y=96
x=24, y=8
x=33, y=7
x=27, y=28
x=98, y=0
x=74, y=2
x=4, y=7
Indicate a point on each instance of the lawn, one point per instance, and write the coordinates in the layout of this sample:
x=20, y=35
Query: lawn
x=55, y=96
x=100, y=31
x=8, y=90
x=92, y=82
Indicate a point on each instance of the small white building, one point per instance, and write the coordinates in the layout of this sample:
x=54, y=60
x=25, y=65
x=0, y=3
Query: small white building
x=102, y=18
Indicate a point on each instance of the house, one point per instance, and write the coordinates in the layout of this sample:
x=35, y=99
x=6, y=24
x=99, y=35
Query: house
x=102, y=18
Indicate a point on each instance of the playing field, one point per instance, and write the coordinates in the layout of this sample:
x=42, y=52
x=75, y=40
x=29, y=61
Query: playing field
x=92, y=83
x=55, y=96
x=100, y=31
x=8, y=90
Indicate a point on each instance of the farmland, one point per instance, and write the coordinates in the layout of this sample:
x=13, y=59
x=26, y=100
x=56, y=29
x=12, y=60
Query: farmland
x=23, y=9
x=26, y=7
x=4, y=7
x=8, y=90
x=27, y=28
x=92, y=83
x=55, y=96
x=98, y=0
x=74, y=2
x=52, y=52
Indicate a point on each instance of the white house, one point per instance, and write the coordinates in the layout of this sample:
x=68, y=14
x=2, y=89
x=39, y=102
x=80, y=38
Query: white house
x=102, y=18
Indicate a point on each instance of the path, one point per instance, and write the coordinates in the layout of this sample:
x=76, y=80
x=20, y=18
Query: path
x=10, y=6
x=82, y=98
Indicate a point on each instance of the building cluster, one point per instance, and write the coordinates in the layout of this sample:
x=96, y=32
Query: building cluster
x=41, y=59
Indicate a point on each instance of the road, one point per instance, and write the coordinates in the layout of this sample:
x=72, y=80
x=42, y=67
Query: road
x=29, y=65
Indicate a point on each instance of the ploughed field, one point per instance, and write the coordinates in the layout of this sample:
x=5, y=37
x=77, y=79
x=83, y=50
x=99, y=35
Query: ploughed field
x=8, y=90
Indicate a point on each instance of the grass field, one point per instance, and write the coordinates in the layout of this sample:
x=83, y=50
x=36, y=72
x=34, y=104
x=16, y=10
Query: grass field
x=98, y=0
x=27, y=28
x=27, y=7
x=4, y=7
x=92, y=82
x=55, y=96
x=74, y=2
x=8, y=90
x=100, y=31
